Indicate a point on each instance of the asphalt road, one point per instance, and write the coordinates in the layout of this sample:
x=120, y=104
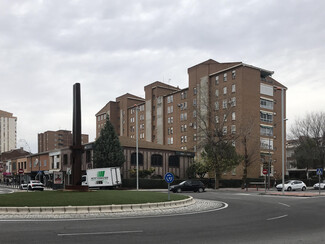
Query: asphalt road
x=249, y=218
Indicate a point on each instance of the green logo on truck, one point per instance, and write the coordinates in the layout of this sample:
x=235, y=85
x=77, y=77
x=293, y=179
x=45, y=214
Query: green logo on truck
x=100, y=173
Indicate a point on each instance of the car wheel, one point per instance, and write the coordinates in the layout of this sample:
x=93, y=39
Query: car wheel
x=179, y=190
x=289, y=188
x=303, y=188
x=200, y=190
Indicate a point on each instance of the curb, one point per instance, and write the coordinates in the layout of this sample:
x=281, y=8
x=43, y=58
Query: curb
x=97, y=209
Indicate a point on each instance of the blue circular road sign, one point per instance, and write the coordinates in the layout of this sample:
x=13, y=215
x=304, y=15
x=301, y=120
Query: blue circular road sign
x=169, y=177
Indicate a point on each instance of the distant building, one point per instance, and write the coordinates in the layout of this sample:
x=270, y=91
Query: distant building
x=51, y=140
x=231, y=96
x=8, y=131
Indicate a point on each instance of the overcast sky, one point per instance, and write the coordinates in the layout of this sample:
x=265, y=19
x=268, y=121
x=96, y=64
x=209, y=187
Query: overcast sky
x=115, y=47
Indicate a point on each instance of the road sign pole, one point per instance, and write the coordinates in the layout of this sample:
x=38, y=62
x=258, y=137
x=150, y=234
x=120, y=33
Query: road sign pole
x=168, y=191
x=319, y=184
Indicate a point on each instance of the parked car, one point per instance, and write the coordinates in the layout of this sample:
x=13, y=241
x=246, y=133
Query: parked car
x=292, y=185
x=188, y=185
x=322, y=185
x=32, y=185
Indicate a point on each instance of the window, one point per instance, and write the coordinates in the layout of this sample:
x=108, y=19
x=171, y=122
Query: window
x=224, y=130
x=225, y=118
x=233, y=88
x=225, y=77
x=194, y=137
x=266, y=89
x=194, y=114
x=233, y=74
x=184, y=95
x=233, y=116
x=194, y=90
x=173, y=161
x=156, y=160
x=217, y=93
x=266, y=130
x=217, y=119
x=217, y=80
x=267, y=143
x=134, y=159
x=194, y=102
x=170, y=99
x=65, y=159
x=45, y=162
x=266, y=117
x=233, y=129
x=266, y=103
x=233, y=102
x=224, y=103
x=224, y=90
x=216, y=105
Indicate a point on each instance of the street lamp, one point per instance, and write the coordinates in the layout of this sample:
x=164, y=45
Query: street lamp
x=282, y=130
x=137, y=144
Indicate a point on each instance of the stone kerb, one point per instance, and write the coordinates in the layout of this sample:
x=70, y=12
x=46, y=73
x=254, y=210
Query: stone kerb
x=96, y=209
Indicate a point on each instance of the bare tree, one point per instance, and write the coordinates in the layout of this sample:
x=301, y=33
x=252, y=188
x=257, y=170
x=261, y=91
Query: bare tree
x=215, y=141
x=250, y=148
x=309, y=132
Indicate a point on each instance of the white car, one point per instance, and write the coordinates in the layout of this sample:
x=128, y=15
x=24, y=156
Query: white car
x=292, y=185
x=322, y=185
x=32, y=185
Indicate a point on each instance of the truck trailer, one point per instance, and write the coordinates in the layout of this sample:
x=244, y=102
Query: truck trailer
x=102, y=177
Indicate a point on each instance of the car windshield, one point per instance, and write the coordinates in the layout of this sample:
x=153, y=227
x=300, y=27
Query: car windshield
x=288, y=181
x=183, y=182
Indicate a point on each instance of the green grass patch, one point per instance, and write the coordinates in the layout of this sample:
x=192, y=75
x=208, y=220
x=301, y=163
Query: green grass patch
x=71, y=198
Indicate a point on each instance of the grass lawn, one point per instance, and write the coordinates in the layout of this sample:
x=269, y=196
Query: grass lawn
x=71, y=198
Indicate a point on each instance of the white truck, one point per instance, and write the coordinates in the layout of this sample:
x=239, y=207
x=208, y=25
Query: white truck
x=102, y=177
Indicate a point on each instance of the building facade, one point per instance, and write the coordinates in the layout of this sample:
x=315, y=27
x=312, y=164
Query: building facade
x=51, y=140
x=8, y=131
x=236, y=97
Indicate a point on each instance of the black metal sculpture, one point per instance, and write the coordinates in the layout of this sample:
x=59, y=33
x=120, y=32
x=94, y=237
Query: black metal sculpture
x=76, y=148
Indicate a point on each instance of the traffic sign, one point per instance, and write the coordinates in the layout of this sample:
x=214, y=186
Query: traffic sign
x=319, y=171
x=265, y=171
x=169, y=177
x=21, y=171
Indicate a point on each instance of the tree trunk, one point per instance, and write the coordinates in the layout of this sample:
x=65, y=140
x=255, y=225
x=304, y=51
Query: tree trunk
x=244, y=178
x=216, y=181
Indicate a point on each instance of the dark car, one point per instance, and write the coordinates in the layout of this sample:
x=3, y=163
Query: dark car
x=188, y=185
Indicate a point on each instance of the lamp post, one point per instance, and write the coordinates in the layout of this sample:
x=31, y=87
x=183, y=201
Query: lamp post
x=137, y=145
x=282, y=131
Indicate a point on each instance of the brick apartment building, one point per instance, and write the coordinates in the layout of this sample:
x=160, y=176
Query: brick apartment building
x=51, y=140
x=236, y=96
x=8, y=131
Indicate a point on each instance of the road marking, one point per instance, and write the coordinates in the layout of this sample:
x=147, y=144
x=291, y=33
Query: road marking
x=279, y=217
x=284, y=204
x=102, y=233
x=242, y=194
